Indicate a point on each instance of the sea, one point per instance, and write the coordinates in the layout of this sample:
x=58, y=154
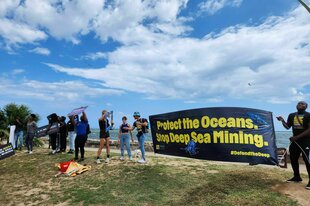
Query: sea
x=282, y=137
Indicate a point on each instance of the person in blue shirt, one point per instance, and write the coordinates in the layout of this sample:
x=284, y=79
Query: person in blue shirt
x=81, y=135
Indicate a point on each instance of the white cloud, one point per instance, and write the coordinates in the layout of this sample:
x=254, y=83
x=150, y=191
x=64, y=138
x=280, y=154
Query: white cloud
x=128, y=22
x=273, y=57
x=62, y=19
x=213, y=6
x=18, y=33
x=94, y=56
x=40, y=50
x=17, y=71
x=7, y=6
x=66, y=91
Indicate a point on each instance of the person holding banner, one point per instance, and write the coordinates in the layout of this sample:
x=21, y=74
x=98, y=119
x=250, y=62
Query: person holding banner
x=300, y=141
x=141, y=125
x=105, y=127
x=124, y=138
x=31, y=132
x=81, y=135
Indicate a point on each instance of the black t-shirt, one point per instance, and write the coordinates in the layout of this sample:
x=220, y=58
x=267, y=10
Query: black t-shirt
x=63, y=129
x=103, y=125
x=70, y=126
x=141, y=128
x=19, y=126
x=299, y=123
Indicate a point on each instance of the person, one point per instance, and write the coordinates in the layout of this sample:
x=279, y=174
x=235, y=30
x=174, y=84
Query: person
x=81, y=135
x=18, y=133
x=142, y=127
x=71, y=134
x=123, y=137
x=63, y=132
x=53, y=122
x=104, y=126
x=31, y=132
x=300, y=141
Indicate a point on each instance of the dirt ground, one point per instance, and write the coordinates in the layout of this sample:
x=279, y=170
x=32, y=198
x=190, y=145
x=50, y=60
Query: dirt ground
x=295, y=191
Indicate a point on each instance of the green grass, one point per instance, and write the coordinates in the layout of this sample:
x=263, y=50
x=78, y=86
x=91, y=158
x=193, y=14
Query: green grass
x=29, y=179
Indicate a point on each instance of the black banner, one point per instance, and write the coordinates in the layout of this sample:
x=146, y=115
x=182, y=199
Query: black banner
x=224, y=134
x=6, y=151
x=42, y=131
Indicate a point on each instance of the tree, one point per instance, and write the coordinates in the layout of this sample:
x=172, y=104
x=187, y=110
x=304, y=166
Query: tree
x=12, y=111
x=9, y=114
x=3, y=121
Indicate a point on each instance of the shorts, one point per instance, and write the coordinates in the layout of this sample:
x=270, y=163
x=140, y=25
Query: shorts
x=104, y=134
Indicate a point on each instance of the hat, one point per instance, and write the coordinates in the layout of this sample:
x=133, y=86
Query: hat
x=136, y=114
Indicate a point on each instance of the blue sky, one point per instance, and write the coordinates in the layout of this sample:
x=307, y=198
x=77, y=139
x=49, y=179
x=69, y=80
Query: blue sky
x=153, y=56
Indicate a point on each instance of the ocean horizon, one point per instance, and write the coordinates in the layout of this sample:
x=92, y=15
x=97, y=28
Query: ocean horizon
x=282, y=137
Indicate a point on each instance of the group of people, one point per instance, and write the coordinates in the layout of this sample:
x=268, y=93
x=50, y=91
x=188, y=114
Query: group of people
x=78, y=130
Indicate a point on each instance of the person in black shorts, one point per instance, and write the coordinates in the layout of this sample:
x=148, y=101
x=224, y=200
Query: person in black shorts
x=104, y=126
x=300, y=141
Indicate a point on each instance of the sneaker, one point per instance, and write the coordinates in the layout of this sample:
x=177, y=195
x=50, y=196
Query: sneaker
x=294, y=179
x=121, y=158
x=27, y=151
x=98, y=161
x=308, y=186
x=54, y=152
x=107, y=160
x=30, y=152
x=76, y=158
x=130, y=158
x=141, y=161
x=70, y=151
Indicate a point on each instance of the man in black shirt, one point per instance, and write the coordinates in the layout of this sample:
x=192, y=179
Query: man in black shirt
x=300, y=123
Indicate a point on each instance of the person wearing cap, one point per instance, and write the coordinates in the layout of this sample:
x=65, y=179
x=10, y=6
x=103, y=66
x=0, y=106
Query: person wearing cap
x=141, y=125
x=300, y=141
